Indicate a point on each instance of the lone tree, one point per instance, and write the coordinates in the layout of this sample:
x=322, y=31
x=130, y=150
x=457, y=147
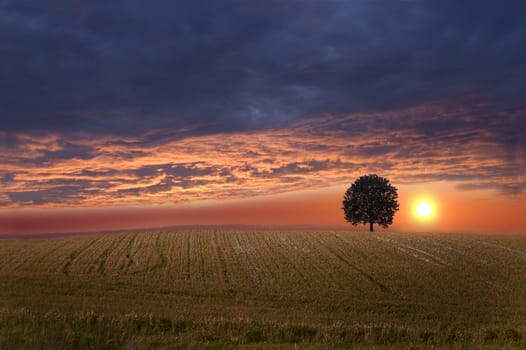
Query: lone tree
x=370, y=199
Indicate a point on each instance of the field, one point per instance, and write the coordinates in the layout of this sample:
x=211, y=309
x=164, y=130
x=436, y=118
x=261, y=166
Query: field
x=263, y=289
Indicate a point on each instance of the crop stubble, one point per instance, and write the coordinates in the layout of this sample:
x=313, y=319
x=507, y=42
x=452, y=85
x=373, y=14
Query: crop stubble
x=417, y=282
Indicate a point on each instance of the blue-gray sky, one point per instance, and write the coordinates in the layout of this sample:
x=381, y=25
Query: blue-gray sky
x=264, y=97
x=123, y=67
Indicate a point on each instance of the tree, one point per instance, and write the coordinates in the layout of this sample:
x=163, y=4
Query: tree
x=371, y=199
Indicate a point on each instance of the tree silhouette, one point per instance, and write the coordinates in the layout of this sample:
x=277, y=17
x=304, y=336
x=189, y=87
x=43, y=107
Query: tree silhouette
x=370, y=199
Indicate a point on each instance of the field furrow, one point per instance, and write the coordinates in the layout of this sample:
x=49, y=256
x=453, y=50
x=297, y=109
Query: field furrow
x=413, y=251
x=344, y=260
x=332, y=289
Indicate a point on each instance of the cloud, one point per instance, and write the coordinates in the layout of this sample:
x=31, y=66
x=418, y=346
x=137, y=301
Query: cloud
x=71, y=194
x=313, y=153
x=122, y=103
x=123, y=68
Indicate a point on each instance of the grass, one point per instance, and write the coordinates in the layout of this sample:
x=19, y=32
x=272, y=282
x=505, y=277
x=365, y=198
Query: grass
x=259, y=290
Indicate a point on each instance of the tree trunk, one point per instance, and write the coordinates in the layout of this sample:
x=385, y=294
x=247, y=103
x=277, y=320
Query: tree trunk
x=371, y=226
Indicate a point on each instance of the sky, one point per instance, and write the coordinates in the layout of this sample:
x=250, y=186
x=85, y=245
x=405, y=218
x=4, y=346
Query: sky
x=125, y=114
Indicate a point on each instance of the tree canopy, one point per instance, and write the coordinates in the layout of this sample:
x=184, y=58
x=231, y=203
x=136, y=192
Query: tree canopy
x=371, y=199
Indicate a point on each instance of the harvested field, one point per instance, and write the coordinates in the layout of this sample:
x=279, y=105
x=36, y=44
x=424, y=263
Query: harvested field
x=263, y=289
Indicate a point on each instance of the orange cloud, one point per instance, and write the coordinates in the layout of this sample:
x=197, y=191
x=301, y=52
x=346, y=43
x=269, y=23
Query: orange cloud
x=58, y=171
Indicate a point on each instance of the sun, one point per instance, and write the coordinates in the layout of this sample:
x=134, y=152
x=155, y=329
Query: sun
x=424, y=209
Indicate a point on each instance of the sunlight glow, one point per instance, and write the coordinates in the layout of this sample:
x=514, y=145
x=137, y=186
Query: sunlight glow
x=424, y=209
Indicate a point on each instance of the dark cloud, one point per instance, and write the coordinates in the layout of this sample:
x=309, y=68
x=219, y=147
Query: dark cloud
x=183, y=170
x=7, y=177
x=67, y=151
x=125, y=67
x=96, y=173
x=174, y=176
x=506, y=189
x=57, y=194
x=165, y=185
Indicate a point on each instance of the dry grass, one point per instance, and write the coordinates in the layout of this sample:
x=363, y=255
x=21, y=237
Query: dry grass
x=223, y=289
